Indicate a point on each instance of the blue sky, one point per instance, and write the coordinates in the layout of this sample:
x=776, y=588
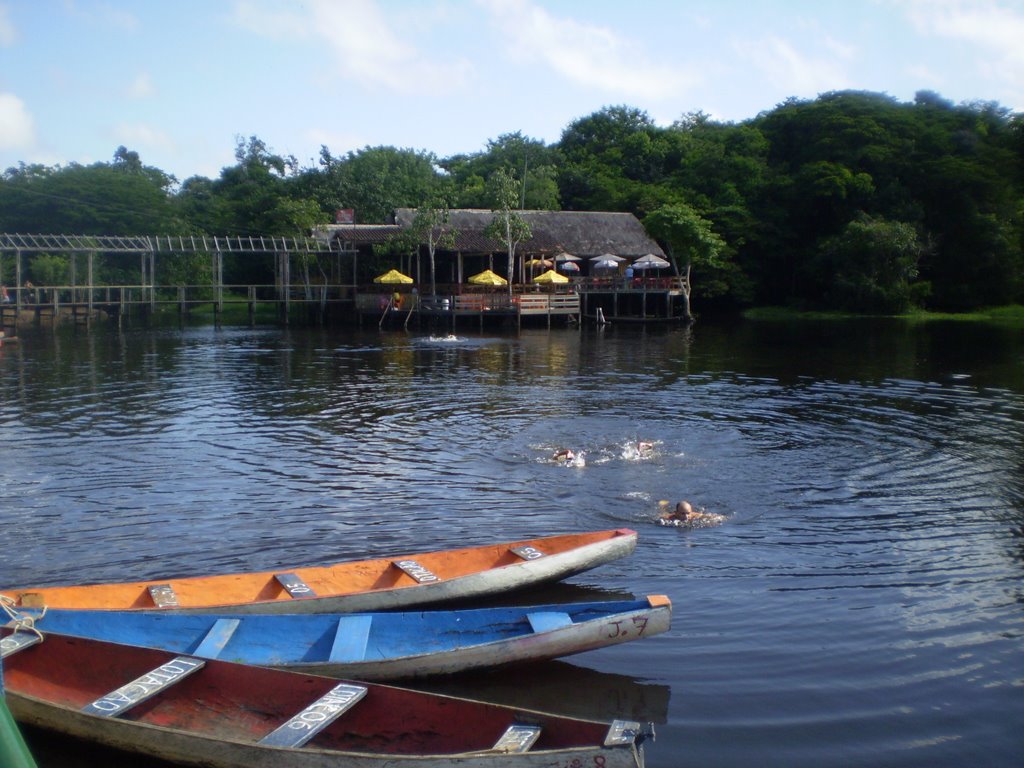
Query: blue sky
x=178, y=80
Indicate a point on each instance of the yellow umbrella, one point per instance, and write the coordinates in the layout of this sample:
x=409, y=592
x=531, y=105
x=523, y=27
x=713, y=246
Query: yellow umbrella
x=393, y=277
x=551, y=277
x=538, y=263
x=487, y=277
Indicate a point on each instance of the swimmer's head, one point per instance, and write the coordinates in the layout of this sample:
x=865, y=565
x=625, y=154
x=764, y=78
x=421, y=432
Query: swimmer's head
x=683, y=510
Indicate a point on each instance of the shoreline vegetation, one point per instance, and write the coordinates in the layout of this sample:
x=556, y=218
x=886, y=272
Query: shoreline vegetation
x=852, y=202
x=1011, y=314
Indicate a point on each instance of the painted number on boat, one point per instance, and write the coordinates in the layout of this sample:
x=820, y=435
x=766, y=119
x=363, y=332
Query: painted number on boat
x=163, y=596
x=314, y=718
x=616, y=628
x=518, y=738
x=527, y=553
x=16, y=642
x=140, y=689
x=295, y=586
x=417, y=571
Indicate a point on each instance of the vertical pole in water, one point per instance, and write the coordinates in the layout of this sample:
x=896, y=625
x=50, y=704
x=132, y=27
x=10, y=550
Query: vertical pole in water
x=220, y=281
x=89, y=278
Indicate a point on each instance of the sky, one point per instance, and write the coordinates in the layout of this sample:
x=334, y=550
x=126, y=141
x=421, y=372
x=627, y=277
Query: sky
x=181, y=81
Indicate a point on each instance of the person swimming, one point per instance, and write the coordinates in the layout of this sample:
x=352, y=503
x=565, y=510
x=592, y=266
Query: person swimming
x=634, y=451
x=684, y=515
x=569, y=458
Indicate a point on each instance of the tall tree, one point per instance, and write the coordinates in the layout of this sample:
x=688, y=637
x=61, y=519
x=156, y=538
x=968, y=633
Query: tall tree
x=507, y=226
x=530, y=159
x=430, y=226
x=689, y=241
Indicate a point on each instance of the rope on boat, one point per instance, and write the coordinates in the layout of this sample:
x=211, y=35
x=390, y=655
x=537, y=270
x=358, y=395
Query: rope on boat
x=21, y=622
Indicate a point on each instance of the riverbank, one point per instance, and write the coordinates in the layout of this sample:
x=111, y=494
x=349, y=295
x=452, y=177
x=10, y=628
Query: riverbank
x=1012, y=314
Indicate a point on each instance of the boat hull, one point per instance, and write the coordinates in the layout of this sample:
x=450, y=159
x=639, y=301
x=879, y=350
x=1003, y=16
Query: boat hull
x=358, y=586
x=218, y=715
x=379, y=646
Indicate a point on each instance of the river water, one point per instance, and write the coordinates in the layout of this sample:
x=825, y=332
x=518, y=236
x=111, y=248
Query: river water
x=861, y=605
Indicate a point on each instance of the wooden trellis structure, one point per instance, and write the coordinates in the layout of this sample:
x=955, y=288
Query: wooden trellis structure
x=148, y=248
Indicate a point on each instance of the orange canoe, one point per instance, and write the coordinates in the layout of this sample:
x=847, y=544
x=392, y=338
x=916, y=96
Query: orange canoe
x=364, y=585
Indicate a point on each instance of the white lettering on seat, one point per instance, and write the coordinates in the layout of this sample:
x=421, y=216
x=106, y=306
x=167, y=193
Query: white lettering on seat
x=314, y=718
x=145, y=687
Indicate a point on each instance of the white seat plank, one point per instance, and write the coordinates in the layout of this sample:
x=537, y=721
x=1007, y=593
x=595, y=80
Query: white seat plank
x=545, y=621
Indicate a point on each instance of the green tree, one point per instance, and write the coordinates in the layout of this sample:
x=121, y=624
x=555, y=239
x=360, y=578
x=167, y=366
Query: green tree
x=119, y=198
x=530, y=159
x=430, y=226
x=870, y=266
x=507, y=226
x=689, y=240
x=48, y=269
x=375, y=181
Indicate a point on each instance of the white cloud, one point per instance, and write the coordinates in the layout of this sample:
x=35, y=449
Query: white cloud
x=995, y=28
x=585, y=54
x=363, y=40
x=8, y=34
x=141, y=87
x=793, y=71
x=17, y=129
x=141, y=135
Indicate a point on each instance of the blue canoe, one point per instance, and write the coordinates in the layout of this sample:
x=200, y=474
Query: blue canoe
x=378, y=646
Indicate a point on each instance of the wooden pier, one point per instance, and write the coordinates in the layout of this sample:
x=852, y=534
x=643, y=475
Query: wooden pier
x=333, y=294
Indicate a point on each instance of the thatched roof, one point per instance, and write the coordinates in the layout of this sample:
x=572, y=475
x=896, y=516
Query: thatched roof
x=581, y=233
x=358, y=234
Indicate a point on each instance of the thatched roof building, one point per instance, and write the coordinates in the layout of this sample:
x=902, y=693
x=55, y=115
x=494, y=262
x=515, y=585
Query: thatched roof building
x=581, y=233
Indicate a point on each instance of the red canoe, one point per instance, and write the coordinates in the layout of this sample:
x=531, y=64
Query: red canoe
x=203, y=712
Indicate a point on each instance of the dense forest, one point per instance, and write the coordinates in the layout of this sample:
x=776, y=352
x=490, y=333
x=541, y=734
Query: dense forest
x=850, y=201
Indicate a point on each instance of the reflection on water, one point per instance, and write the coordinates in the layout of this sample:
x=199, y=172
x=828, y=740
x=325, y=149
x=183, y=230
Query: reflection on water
x=861, y=604
x=562, y=688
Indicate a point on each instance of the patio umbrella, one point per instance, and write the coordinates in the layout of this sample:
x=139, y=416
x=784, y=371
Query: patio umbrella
x=393, y=277
x=650, y=261
x=606, y=264
x=609, y=257
x=487, y=277
x=538, y=263
x=550, y=277
x=563, y=256
x=568, y=266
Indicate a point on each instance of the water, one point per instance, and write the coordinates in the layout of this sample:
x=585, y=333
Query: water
x=861, y=605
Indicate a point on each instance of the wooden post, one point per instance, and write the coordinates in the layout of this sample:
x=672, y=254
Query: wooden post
x=252, y=305
x=286, y=264
x=220, y=280
x=17, y=280
x=89, y=278
x=152, y=281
